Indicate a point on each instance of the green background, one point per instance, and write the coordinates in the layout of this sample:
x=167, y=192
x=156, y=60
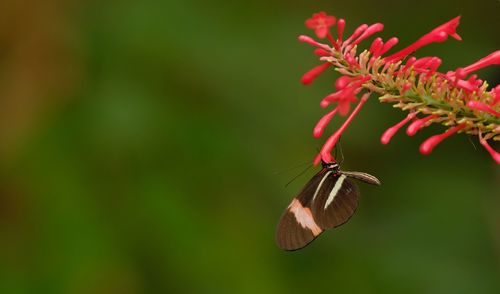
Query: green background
x=146, y=145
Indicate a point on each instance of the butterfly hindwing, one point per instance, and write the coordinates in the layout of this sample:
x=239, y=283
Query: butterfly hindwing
x=335, y=202
x=297, y=226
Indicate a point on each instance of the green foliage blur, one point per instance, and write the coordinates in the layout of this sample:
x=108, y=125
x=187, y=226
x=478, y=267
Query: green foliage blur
x=145, y=146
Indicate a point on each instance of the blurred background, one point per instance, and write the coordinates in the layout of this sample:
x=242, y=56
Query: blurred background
x=145, y=145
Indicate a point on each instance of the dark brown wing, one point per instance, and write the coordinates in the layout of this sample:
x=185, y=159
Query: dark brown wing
x=307, y=193
x=297, y=227
x=336, y=202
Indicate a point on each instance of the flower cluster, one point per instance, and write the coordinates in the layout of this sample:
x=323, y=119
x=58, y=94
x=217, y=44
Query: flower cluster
x=458, y=99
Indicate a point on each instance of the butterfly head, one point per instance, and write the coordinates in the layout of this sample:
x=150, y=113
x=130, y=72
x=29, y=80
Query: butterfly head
x=333, y=166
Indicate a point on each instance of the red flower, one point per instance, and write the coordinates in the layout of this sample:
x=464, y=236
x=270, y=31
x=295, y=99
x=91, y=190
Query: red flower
x=430, y=143
x=321, y=22
x=390, y=132
x=458, y=100
x=439, y=34
x=483, y=107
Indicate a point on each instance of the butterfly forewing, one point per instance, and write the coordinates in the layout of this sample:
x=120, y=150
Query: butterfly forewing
x=297, y=226
x=367, y=178
x=307, y=193
x=336, y=202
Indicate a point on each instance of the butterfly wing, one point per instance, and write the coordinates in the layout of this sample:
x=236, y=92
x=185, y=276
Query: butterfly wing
x=335, y=202
x=328, y=200
x=297, y=226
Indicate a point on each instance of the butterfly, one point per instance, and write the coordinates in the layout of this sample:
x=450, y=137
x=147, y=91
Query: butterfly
x=327, y=201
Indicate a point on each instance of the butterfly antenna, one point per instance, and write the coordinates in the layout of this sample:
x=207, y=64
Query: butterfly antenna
x=291, y=168
x=301, y=173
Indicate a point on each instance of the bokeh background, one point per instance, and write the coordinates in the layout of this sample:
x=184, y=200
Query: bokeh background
x=145, y=145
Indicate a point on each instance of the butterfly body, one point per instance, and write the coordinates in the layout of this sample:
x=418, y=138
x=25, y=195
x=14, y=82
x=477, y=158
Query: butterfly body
x=328, y=200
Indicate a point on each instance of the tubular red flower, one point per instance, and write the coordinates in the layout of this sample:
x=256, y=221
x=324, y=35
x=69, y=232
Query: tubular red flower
x=356, y=33
x=374, y=28
x=321, y=52
x=330, y=143
x=482, y=107
x=472, y=84
x=390, y=132
x=495, y=155
x=311, y=41
x=344, y=105
x=466, y=85
x=433, y=66
x=417, y=125
x=343, y=97
x=326, y=158
x=323, y=122
x=439, y=34
x=409, y=63
x=351, y=60
x=426, y=62
x=493, y=58
x=388, y=45
x=342, y=82
x=309, y=76
x=432, y=142
x=346, y=94
x=419, y=63
x=376, y=46
x=456, y=78
x=334, y=97
x=321, y=22
x=340, y=30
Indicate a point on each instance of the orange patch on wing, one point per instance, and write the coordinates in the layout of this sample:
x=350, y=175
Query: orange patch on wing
x=304, y=217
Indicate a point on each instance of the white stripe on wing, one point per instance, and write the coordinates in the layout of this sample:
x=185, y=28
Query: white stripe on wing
x=335, y=190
